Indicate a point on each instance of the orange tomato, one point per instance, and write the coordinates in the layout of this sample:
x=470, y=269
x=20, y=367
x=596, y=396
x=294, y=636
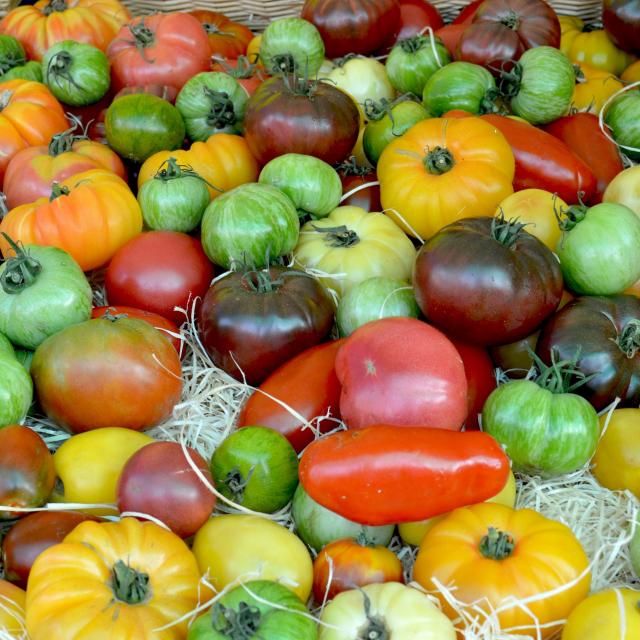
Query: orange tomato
x=494, y=556
x=227, y=39
x=631, y=73
x=12, y=609
x=253, y=51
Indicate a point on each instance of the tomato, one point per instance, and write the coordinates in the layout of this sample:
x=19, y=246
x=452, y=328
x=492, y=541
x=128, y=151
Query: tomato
x=502, y=30
x=351, y=245
x=317, y=526
x=298, y=116
x=89, y=465
x=76, y=73
x=139, y=276
x=30, y=536
x=165, y=49
x=622, y=22
x=600, y=249
x=593, y=89
x=16, y=388
x=227, y=38
x=582, y=134
x=347, y=564
x=234, y=547
x=253, y=322
x=41, y=26
x=634, y=549
x=450, y=36
x=140, y=125
x=486, y=280
x=247, y=73
x=27, y=474
x=612, y=613
x=625, y=189
x=122, y=579
x=30, y=71
x=102, y=373
x=361, y=26
x=386, y=474
x=468, y=167
x=415, y=15
x=42, y=290
x=602, y=331
x=158, y=480
x=497, y=557
x=312, y=185
x=211, y=102
x=537, y=209
x=380, y=609
x=354, y=175
x=622, y=117
x=288, y=403
x=12, y=609
x=631, y=73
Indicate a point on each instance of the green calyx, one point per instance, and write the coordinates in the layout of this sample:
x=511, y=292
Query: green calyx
x=414, y=44
x=129, y=585
x=236, y=483
x=338, y=236
x=510, y=79
x=242, y=624
x=143, y=37
x=10, y=61
x=57, y=191
x=21, y=270
x=351, y=167
x=222, y=112
x=569, y=218
x=511, y=20
x=438, y=161
x=243, y=69
x=170, y=169
x=497, y=545
x=214, y=30
x=560, y=376
x=55, y=6
x=629, y=339
x=283, y=63
x=63, y=142
x=506, y=232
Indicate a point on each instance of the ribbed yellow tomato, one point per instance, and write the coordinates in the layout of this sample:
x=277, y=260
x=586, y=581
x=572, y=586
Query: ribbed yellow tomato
x=603, y=616
x=617, y=458
x=123, y=580
x=593, y=88
x=537, y=208
x=493, y=555
x=442, y=170
x=12, y=609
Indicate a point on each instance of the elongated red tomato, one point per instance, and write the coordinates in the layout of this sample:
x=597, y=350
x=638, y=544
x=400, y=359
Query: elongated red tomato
x=385, y=474
x=307, y=384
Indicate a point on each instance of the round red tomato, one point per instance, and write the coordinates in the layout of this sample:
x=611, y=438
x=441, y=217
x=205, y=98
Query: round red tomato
x=354, y=176
x=404, y=372
x=27, y=474
x=247, y=73
x=159, y=481
x=351, y=564
x=226, y=38
x=159, y=271
x=415, y=16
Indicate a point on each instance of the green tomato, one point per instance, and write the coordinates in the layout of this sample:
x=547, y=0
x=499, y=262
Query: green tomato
x=30, y=71
x=317, y=526
x=212, y=102
x=542, y=432
x=76, y=73
x=256, y=467
x=42, y=291
x=460, y=85
x=413, y=61
x=175, y=199
x=312, y=185
x=623, y=118
x=600, y=252
x=373, y=299
x=387, y=122
x=16, y=387
x=251, y=224
x=292, y=45
x=139, y=125
x=6, y=348
x=11, y=53
x=25, y=357
x=256, y=610
x=546, y=85
x=634, y=549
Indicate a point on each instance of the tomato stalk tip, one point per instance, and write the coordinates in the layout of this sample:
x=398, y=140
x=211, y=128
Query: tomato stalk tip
x=20, y=270
x=438, y=161
x=497, y=545
x=129, y=585
x=242, y=624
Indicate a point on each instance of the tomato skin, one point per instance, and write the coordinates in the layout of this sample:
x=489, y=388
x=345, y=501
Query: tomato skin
x=27, y=474
x=401, y=371
x=385, y=474
x=415, y=15
x=450, y=35
x=12, y=610
x=226, y=38
x=625, y=189
x=367, y=199
x=622, y=22
x=137, y=275
x=308, y=384
x=355, y=564
x=466, y=15
x=165, y=49
x=30, y=536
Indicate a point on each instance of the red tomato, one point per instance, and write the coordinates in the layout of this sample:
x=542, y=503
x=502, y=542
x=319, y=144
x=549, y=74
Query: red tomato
x=164, y=48
x=159, y=271
x=307, y=384
x=404, y=372
x=164, y=326
x=247, y=73
x=29, y=537
x=481, y=380
x=159, y=481
x=351, y=564
x=468, y=12
x=450, y=36
x=352, y=176
x=226, y=38
x=415, y=15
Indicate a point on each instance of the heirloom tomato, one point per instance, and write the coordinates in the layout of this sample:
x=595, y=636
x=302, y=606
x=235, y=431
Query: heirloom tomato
x=247, y=73
x=364, y=79
x=593, y=88
x=622, y=22
x=227, y=39
x=622, y=117
x=359, y=184
x=16, y=388
x=416, y=17
x=498, y=557
x=12, y=601
x=631, y=73
x=625, y=189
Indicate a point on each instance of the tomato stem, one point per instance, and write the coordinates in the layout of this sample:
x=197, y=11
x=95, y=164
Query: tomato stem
x=284, y=63
x=129, y=585
x=497, y=545
x=243, y=70
x=236, y=483
x=569, y=218
x=20, y=271
x=59, y=68
x=438, y=161
x=338, y=236
x=351, y=167
x=375, y=627
x=560, y=376
x=506, y=232
x=5, y=99
x=511, y=20
x=54, y=6
x=170, y=169
x=413, y=44
x=629, y=339
x=236, y=625
x=214, y=30
x=510, y=78
x=9, y=61
x=57, y=191
x=222, y=113
x=63, y=142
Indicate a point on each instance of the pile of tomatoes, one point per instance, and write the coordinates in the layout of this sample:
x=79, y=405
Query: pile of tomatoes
x=414, y=246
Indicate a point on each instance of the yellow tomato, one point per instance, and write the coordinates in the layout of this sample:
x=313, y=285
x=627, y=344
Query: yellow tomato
x=414, y=532
x=625, y=189
x=239, y=548
x=593, y=89
x=617, y=458
x=632, y=72
x=89, y=465
x=253, y=51
x=12, y=609
x=600, y=617
x=538, y=208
